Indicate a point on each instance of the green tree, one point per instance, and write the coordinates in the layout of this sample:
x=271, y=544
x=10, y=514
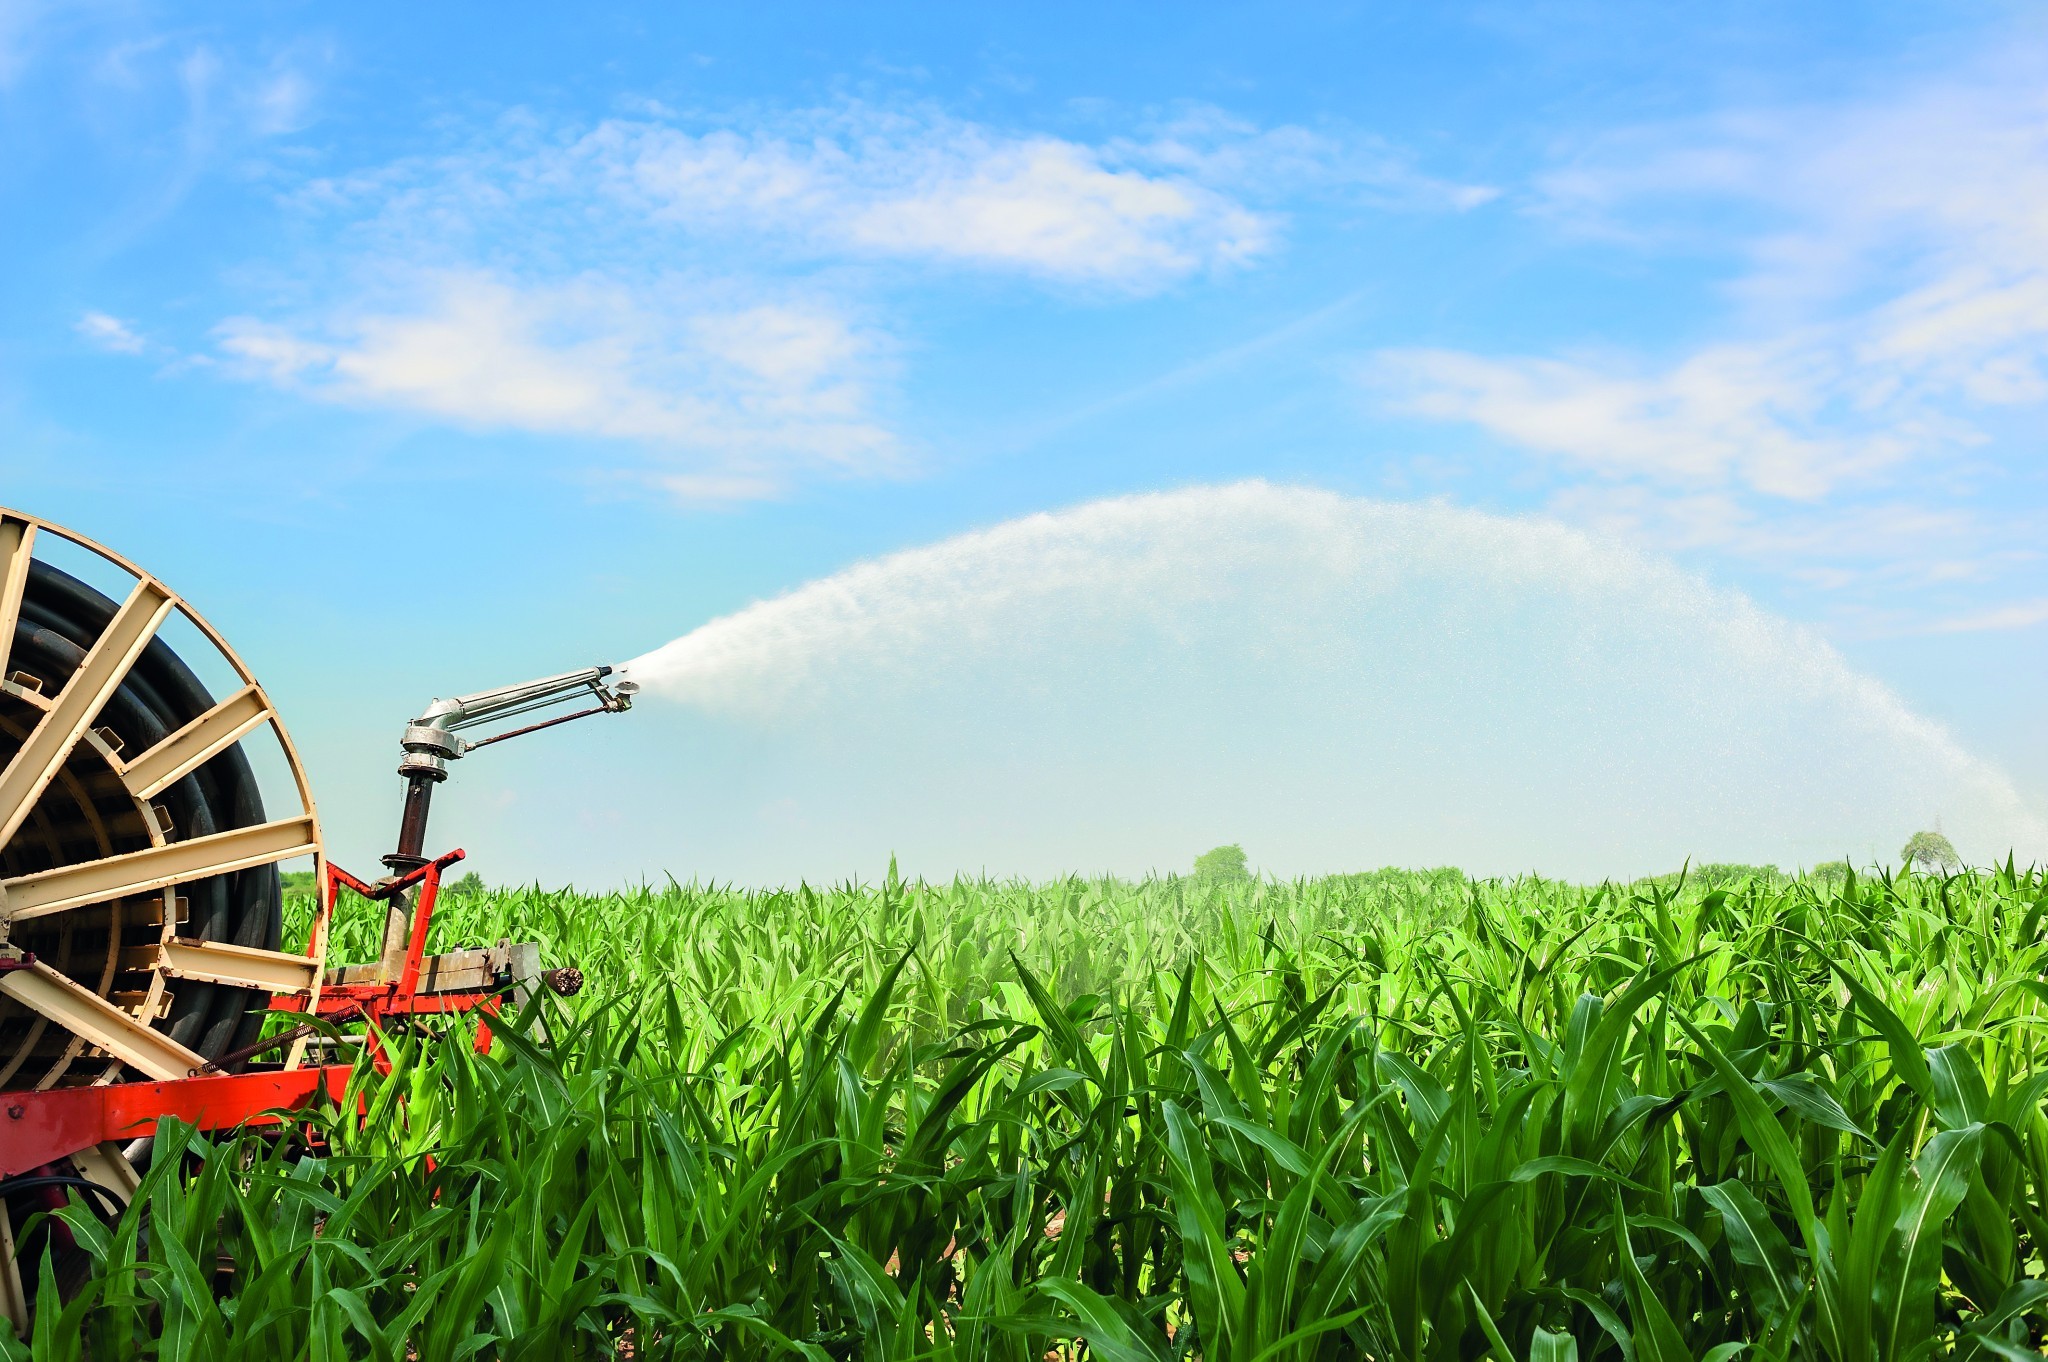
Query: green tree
x=471, y=883
x=1830, y=872
x=1222, y=863
x=1930, y=851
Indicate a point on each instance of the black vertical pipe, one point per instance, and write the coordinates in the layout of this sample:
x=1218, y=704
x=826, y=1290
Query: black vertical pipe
x=412, y=824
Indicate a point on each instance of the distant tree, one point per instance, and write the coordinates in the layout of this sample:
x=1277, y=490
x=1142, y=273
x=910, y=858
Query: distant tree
x=1829, y=872
x=1714, y=874
x=1222, y=863
x=472, y=883
x=1930, y=851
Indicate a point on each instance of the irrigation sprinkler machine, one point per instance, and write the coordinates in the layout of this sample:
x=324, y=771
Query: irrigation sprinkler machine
x=141, y=906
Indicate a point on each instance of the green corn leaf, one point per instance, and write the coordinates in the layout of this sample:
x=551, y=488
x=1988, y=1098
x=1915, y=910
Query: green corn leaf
x=1413, y=1236
x=1912, y=1268
x=53, y=1341
x=1316, y=1329
x=1760, y=1129
x=1487, y=1326
x=1755, y=1242
x=1810, y=1101
x=1594, y=1071
x=1909, y=1061
x=1281, y=1150
x=1216, y=1290
x=1981, y=1343
x=1884, y=1191
x=1987, y=1332
x=1603, y=1315
x=1563, y=1164
x=1109, y=1335
x=1960, y=1096
x=1066, y=1036
x=864, y=1042
x=1655, y=1334
x=1291, y=1227
x=357, y=1310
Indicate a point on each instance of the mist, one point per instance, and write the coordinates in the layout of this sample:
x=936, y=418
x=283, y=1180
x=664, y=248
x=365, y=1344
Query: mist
x=1336, y=683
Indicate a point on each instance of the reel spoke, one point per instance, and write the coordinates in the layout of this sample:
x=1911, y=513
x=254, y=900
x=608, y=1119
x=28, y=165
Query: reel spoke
x=51, y=891
x=93, y=1019
x=64, y=723
x=245, y=966
x=186, y=750
x=104, y=1165
x=13, y=1300
x=17, y=546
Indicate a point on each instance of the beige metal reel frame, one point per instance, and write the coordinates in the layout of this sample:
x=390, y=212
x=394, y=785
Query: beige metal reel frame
x=93, y=943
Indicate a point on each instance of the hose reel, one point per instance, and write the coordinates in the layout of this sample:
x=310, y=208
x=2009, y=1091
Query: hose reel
x=140, y=900
x=140, y=903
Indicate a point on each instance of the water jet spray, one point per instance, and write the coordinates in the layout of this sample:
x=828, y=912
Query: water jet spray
x=1340, y=682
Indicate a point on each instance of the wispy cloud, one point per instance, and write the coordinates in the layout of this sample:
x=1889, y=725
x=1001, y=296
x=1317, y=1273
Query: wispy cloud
x=689, y=285
x=110, y=333
x=2021, y=615
x=860, y=181
x=1220, y=149
x=19, y=20
x=1766, y=417
x=742, y=400
x=937, y=189
x=1890, y=300
x=1926, y=177
x=1899, y=544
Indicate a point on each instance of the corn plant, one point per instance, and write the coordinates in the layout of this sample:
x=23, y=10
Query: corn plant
x=1402, y=1116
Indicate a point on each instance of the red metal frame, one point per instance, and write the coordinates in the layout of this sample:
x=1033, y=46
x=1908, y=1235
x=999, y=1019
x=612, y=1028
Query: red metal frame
x=37, y=1128
x=379, y=1003
x=40, y=1127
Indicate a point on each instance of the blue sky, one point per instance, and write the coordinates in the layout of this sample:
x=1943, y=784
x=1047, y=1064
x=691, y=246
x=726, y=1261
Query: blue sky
x=429, y=348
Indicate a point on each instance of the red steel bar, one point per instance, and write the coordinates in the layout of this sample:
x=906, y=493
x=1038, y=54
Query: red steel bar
x=37, y=1128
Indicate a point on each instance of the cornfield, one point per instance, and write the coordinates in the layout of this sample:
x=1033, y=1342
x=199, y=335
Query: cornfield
x=1399, y=1115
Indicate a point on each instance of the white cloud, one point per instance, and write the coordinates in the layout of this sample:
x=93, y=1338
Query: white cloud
x=262, y=349
x=861, y=182
x=1893, y=542
x=1229, y=153
x=1758, y=416
x=19, y=20
x=1135, y=212
x=109, y=333
x=1933, y=193
x=728, y=404
x=688, y=288
x=1054, y=207
x=2021, y=615
x=1890, y=301
x=1952, y=171
x=280, y=99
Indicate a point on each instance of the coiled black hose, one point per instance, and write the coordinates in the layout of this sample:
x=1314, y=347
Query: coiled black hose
x=61, y=617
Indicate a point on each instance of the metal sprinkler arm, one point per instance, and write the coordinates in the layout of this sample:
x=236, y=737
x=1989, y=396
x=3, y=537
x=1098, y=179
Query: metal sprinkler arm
x=466, y=711
x=430, y=742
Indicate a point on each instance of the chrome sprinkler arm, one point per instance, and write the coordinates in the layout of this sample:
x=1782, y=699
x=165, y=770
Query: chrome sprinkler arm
x=466, y=711
x=430, y=742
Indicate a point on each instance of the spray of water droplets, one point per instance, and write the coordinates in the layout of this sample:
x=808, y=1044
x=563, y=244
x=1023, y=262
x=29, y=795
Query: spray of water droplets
x=1335, y=682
